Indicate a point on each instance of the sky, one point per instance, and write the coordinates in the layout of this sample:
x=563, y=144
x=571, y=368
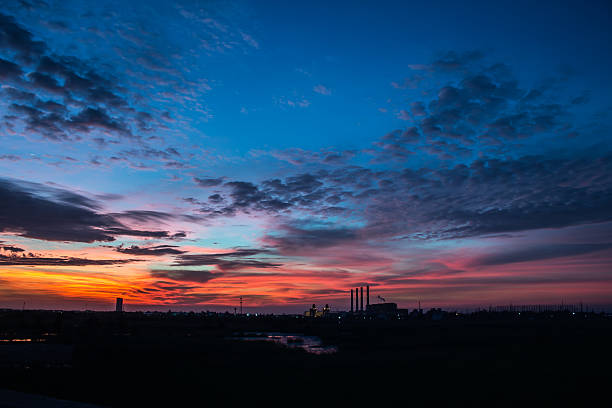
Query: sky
x=184, y=154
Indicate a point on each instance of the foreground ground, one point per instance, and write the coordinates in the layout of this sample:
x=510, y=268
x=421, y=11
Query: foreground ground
x=134, y=359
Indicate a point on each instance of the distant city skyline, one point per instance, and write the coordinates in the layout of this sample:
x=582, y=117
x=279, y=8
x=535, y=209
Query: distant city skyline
x=182, y=155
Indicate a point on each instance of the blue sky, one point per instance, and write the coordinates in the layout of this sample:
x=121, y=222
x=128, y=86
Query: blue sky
x=392, y=143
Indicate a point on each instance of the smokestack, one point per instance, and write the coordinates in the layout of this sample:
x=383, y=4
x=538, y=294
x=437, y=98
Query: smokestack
x=356, y=299
x=367, y=296
x=351, y=300
x=362, y=298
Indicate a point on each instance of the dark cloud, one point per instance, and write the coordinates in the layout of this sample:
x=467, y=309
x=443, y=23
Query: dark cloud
x=398, y=144
x=273, y=196
x=456, y=61
x=157, y=250
x=36, y=260
x=471, y=283
x=36, y=211
x=143, y=215
x=185, y=275
x=82, y=100
x=487, y=196
x=229, y=261
x=25, y=213
x=208, y=182
x=494, y=196
x=9, y=70
x=539, y=252
x=215, y=198
x=295, y=238
x=45, y=82
x=58, y=26
x=169, y=153
x=581, y=99
x=16, y=39
x=303, y=183
x=12, y=248
x=137, y=233
x=474, y=107
x=299, y=157
x=44, y=123
x=96, y=118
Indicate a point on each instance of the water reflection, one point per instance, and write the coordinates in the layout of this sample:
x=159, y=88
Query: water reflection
x=312, y=344
x=18, y=340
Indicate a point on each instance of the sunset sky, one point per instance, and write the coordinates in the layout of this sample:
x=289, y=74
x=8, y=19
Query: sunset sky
x=183, y=154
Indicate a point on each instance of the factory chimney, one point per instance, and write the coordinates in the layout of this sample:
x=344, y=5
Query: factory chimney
x=362, y=298
x=351, y=300
x=367, y=296
x=356, y=299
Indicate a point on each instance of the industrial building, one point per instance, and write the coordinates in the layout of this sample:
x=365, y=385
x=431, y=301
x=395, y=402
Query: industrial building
x=314, y=312
x=384, y=310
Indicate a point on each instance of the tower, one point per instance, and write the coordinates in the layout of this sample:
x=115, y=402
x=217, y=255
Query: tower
x=119, y=305
x=361, y=308
x=351, y=300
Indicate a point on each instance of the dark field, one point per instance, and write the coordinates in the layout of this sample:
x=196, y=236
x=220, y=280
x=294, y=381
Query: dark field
x=132, y=359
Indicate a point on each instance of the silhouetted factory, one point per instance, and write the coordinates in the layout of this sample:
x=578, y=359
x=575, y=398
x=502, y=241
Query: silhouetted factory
x=375, y=309
x=384, y=310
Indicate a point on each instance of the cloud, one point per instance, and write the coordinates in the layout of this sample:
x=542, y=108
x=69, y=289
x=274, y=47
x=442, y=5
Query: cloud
x=67, y=96
x=299, y=157
x=229, y=261
x=472, y=107
x=538, y=252
x=143, y=216
x=398, y=144
x=483, y=197
x=9, y=70
x=36, y=260
x=208, y=182
x=295, y=238
x=157, y=250
x=185, y=275
x=16, y=38
x=271, y=196
x=456, y=61
x=294, y=102
x=11, y=248
x=322, y=89
x=249, y=40
x=488, y=196
x=41, y=212
x=25, y=213
x=96, y=118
